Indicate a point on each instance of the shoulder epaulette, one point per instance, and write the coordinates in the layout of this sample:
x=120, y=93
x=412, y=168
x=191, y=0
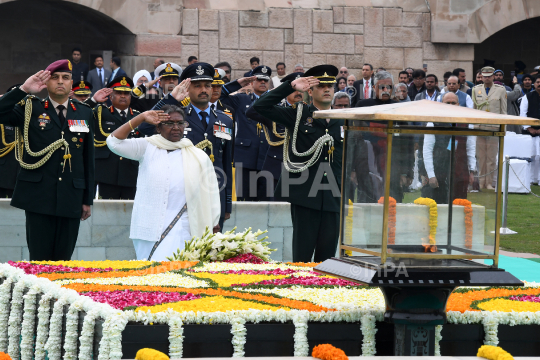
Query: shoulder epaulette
x=80, y=102
x=135, y=111
x=497, y=85
x=296, y=104
x=185, y=102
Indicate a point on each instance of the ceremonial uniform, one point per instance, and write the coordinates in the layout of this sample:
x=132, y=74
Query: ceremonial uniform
x=142, y=102
x=212, y=132
x=116, y=177
x=82, y=90
x=9, y=166
x=314, y=193
x=493, y=100
x=52, y=186
x=250, y=146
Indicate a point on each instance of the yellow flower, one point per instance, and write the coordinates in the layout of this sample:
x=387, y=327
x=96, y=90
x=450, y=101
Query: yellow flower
x=505, y=305
x=210, y=304
x=150, y=354
x=433, y=215
x=226, y=280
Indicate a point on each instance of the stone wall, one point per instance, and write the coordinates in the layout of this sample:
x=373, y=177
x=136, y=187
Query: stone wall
x=105, y=235
x=348, y=36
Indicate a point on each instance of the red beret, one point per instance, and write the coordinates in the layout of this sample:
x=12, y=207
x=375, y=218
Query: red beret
x=60, y=66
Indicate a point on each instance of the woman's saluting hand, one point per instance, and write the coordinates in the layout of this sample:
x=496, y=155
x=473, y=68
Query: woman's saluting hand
x=154, y=117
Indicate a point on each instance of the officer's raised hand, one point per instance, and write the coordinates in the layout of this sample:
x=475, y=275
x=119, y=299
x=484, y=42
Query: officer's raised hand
x=180, y=91
x=36, y=82
x=154, y=117
x=102, y=95
x=304, y=83
x=246, y=81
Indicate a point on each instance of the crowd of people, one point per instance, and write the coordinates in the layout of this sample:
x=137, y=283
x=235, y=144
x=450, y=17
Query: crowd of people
x=135, y=131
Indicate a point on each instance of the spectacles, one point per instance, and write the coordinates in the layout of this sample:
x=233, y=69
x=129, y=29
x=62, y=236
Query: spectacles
x=173, y=124
x=451, y=103
x=341, y=106
x=343, y=72
x=389, y=87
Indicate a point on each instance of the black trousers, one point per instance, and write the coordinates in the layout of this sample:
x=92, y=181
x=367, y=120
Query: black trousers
x=51, y=237
x=6, y=193
x=115, y=192
x=314, y=230
x=258, y=191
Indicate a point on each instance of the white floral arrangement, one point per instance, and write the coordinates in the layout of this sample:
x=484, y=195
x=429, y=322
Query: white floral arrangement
x=219, y=247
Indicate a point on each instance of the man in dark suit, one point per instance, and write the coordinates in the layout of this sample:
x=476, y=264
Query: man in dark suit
x=80, y=69
x=56, y=180
x=364, y=88
x=98, y=77
x=250, y=142
x=315, y=201
x=116, y=177
x=117, y=71
x=209, y=129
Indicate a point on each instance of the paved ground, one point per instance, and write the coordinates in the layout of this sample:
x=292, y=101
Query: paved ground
x=519, y=255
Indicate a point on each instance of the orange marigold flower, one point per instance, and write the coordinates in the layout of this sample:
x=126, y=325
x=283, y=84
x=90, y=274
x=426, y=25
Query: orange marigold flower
x=328, y=352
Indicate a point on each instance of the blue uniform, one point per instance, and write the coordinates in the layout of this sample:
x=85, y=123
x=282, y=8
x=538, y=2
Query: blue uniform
x=221, y=148
x=250, y=146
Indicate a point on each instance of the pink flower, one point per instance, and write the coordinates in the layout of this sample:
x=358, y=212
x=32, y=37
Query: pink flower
x=304, y=280
x=119, y=299
x=259, y=272
x=34, y=269
x=531, y=298
x=246, y=258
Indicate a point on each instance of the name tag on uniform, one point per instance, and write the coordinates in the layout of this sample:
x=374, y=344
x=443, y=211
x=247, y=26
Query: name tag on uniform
x=7, y=127
x=222, y=132
x=78, y=126
x=109, y=122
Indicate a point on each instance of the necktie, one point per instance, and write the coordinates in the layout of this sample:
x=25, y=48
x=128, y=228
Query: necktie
x=100, y=77
x=212, y=107
x=203, y=118
x=366, y=90
x=123, y=116
x=61, y=114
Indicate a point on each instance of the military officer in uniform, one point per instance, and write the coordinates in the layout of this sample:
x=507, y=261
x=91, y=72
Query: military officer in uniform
x=81, y=90
x=209, y=129
x=250, y=146
x=56, y=181
x=488, y=97
x=275, y=133
x=116, y=177
x=167, y=74
x=312, y=182
x=9, y=166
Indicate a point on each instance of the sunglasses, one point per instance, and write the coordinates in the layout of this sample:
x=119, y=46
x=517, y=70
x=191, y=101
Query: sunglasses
x=343, y=72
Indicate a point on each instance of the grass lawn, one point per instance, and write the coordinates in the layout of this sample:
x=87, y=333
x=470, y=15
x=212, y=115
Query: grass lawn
x=523, y=216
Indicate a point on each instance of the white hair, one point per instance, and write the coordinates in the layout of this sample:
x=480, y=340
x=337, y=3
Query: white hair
x=382, y=75
x=339, y=95
x=400, y=85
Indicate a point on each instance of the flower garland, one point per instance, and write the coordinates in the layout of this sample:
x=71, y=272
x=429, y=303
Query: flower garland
x=328, y=352
x=493, y=353
x=238, y=330
x=392, y=210
x=467, y=208
x=27, y=328
x=72, y=324
x=368, y=332
x=150, y=354
x=5, y=297
x=4, y=356
x=54, y=342
x=44, y=311
x=300, y=321
x=87, y=335
x=15, y=317
x=433, y=215
x=176, y=337
x=438, y=338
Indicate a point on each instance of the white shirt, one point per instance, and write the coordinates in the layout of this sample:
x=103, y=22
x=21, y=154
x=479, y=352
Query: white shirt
x=368, y=83
x=431, y=98
x=523, y=108
x=429, y=144
x=55, y=105
x=160, y=191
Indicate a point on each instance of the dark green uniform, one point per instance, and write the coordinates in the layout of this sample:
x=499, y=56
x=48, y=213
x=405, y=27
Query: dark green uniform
x=9, y=166
x=315, y=193
x=53, y=194
x=116, y=176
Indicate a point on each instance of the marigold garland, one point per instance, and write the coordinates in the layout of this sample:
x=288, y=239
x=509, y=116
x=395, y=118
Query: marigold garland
x=391, y=219
x=493, y=353
x=433, y=214
x=4, y=356
x=462, y=301
x=150, y=354
x=328, y=352
x=467, y=208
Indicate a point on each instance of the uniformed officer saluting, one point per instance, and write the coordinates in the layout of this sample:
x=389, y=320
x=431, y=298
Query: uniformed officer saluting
x=250, y=145
x=209, y=130
x=116, y=177
x=56, y=181
x=275, y=133
x=312, y=182
x=9, y=166
x=81, y=90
